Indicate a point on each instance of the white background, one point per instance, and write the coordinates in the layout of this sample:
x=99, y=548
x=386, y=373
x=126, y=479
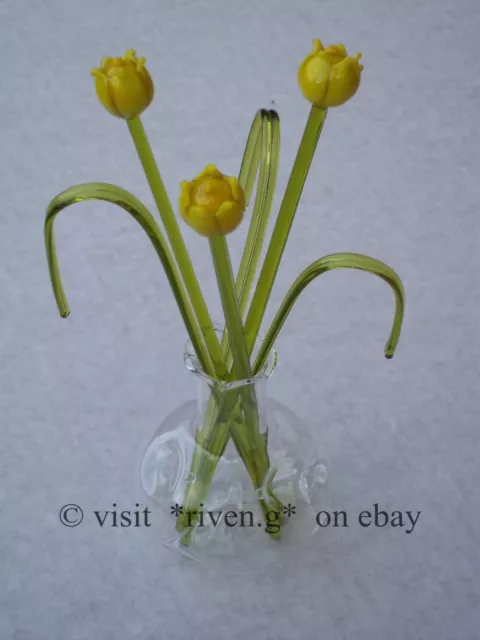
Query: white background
x=395, y=176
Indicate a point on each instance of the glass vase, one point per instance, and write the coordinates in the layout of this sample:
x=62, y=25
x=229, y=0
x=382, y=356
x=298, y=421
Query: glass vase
x=233, y=475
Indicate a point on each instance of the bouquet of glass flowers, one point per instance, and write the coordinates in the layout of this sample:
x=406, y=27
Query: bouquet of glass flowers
x=214, y=205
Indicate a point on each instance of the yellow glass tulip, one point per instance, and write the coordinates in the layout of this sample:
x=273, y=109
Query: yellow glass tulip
x=212, y=204
x=123, y=85
x=329, y=77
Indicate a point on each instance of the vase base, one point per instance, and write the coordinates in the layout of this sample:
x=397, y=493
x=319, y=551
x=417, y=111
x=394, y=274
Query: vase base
x=230, y=528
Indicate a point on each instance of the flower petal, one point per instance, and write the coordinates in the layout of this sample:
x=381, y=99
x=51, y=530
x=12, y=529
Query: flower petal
x=229, y=216
x=130, y=56
x=210, y=192
x=103, y=93
x=147, y=82
x=210, y=170
x=344, y=82
x=184, y=199
x=337, y=50
x=128, y=92
x=203, y=221
x=237, y=191
x=314, y=76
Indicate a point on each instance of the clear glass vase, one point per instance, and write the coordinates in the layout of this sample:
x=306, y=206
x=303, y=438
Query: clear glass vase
x=234, y=475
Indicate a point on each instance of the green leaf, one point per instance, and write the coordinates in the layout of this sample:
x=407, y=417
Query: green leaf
x=317, y=268
x=128, y=202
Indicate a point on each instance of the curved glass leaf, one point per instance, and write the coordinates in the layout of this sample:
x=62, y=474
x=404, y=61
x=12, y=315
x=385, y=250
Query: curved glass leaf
x=133, y=206
x=328, y=263
x=265, y=138
x=260, y=158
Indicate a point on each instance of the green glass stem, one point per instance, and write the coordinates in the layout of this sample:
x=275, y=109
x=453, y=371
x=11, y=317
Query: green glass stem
x=210, y=443
x=328, y=263
x=251, y=444
x=133, y=206
x=177, y=244
x=233, y=319
x=283, y=224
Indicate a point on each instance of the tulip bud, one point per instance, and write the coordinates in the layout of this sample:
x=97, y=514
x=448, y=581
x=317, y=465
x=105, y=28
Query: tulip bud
x=212, y=204
x=328, y=77
x=123, y=85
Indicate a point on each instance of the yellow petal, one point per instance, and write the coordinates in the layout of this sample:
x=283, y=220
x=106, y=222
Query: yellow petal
x=147, y=82
x=127, y=91
x=111, y=63
x=344, y=82
x=237, y=190
x=229, y=216
x=130, y=56
x=101, y=87
x=106, y=62
x=210, y=170
x=203, y=221
x=184, y=199
x=357, y=57
x=336, y=53
x=210, y=192
x=313, y=78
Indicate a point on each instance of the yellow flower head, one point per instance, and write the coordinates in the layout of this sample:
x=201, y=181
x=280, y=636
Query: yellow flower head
x=123, y=85
x=212, y=204
x=328, y=77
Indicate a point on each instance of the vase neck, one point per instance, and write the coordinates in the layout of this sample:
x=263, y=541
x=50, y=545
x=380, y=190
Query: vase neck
x=231, y=382
x=219, y=392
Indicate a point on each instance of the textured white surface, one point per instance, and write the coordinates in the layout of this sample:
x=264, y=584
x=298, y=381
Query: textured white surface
x=395, y=176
